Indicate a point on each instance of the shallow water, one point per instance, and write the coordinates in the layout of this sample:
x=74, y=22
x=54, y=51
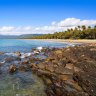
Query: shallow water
x=20, y=83
x=11, y=45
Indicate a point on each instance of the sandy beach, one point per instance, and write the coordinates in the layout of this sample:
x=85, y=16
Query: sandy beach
x=68, y=40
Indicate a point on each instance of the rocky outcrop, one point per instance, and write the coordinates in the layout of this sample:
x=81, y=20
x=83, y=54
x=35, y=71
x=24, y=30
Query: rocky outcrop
x=69, y=71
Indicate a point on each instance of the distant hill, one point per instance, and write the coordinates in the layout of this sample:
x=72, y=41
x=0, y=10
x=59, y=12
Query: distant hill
x=29, y=35
x=25, y=36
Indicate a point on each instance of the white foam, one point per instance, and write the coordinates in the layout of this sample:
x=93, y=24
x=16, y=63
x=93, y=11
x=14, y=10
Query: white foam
x=39, y=48
x=11, y=54
x=23, y=55
x=36, y=52
x=2, y=62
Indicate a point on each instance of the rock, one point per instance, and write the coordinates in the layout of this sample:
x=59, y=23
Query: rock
x=63, y=71
x=12, y=68
x=32, y=65
x=25, y=62
x=23, y=68
x=58, y=52
x=17, y=53
x=93, y=49
x=69, y=66
x=35, y=60
x=64, y=77
x=41, y=66
x=76, y=69
x=69, y=71
x=1, y=53
x=72, y=67
x=50, y=59
x=87, y=82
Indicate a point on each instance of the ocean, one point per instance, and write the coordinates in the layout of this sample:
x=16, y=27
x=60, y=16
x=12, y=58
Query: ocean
x=13, y=45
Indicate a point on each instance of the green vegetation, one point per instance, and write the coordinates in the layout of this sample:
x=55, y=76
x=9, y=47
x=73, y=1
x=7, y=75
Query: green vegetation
x=79, y=32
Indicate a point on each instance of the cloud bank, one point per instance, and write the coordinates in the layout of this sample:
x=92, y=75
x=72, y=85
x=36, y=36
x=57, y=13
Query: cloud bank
x=53, y=27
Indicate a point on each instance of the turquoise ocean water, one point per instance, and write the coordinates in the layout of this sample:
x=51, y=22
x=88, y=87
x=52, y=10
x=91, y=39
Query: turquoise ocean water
x=11, y=45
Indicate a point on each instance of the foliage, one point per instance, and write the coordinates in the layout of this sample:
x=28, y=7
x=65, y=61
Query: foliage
x=79, y=32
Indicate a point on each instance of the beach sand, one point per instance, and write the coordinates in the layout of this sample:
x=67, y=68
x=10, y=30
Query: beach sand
x=69, y=40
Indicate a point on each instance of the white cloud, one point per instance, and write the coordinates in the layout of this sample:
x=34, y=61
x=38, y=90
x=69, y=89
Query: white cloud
x=53, y=27
x=6, y=28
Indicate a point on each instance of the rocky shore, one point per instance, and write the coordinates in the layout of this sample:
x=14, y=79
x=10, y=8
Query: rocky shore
x=69, y=71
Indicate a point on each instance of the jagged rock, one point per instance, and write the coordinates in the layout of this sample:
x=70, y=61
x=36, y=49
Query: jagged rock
x=69, y=71
x=86, y=81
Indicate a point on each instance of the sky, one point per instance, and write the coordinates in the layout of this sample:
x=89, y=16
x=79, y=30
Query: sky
x=44, y=16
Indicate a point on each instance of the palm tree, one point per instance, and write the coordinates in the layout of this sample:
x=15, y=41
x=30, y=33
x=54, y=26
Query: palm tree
x=68, y=30
x=71, y=29
x=83, y=27
x=76, y=28
x=95, y=27
x=79, y=27
x=95, y=31
x=89, y=27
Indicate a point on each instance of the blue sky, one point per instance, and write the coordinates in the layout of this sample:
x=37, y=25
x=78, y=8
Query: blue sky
x=36, y=13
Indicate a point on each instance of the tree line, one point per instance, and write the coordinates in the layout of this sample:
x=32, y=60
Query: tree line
x=79, y=32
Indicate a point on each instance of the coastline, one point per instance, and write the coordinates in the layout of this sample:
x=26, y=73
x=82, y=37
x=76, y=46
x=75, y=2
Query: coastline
x=68, y=40
x=68, y=71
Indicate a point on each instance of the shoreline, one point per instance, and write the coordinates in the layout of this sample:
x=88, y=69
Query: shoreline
x=63, y=71
x=87, y=41
x=67, y=40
